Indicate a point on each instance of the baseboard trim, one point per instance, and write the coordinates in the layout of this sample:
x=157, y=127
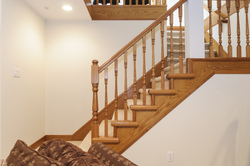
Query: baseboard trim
x=50, y=137
x=38, y=142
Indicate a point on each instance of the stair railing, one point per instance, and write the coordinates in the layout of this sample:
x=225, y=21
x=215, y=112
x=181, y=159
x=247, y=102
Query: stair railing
x=229, y=8
x=146, y=76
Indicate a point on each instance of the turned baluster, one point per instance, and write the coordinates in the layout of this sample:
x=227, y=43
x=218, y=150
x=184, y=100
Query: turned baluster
x=125, y=87
x=153, y=65
x=106, y=101
x=247, y=29
x=116, y=95
x=171, y=82
x=211, y=50
x=95, y=82
x=220, y=29
x=237, y=6
x=164, y=2
x=180, y=42
x=144, y=71
x=134, y=84
x=162, y=57
x=229, y=48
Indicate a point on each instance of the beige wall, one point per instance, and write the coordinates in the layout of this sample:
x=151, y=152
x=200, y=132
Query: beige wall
x=22, y=99
x=209, y=128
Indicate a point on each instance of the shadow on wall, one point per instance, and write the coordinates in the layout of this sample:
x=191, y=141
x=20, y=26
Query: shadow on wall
x=226, y=151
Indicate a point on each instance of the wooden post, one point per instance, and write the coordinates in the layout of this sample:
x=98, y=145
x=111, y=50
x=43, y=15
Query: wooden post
x=229, y=48
x=134, y=82
x=237, y=6
x=125, y=86
x=162, y=57
x=220, y=29
x=247, y=29
x=211, y=50
x=180, y=42
x=144, y=70
x=116, y=95
x=153, y=65
x=95, y=82
x=106, y=101
x=171, y=82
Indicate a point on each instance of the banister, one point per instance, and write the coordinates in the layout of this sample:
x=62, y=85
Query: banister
x=140, y=36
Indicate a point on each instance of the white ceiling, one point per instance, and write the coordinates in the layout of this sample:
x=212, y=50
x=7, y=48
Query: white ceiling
x=55, y=11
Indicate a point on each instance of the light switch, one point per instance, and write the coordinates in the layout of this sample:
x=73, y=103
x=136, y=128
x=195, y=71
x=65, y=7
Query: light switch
x=170, y=156
x=16, y=72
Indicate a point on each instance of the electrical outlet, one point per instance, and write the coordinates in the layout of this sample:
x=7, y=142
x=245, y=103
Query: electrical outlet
x=170, y=156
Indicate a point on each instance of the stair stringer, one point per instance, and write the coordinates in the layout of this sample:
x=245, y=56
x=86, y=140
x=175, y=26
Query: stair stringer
x=203, y=69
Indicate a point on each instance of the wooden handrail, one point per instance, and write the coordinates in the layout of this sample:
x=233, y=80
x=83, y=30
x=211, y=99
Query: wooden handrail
x=140, y=36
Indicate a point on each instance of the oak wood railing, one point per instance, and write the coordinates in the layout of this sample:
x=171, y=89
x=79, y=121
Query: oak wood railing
x=231, y=7
x=141, y=39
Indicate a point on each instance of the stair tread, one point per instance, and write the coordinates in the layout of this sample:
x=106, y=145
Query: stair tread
x=162, y=92
x=106, y=140
x=143, y=107
x=124, y=123
x=180, y=76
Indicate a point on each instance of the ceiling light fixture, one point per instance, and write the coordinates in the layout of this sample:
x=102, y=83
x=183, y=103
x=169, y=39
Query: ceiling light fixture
x=67, y=8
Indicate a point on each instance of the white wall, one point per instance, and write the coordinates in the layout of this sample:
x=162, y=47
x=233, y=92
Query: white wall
x=22, y=99
x=210, y=128
x=71, y=46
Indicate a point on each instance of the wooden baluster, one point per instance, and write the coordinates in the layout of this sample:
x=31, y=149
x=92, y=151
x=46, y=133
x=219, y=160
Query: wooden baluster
x=134, y=85
x=229, y=48
x=153, y=65
x=180, y=42
x=97, y=2
x=237, y=6
x=143, y=2
x=220, y=29
x=125, y=87
x=130, y=2
x=104, y=2
x=211, y=49
x=106, y=101
x=149, y=2
x=162, y=57
x=117, y=2
x=164, y=2
x=95, y=82
x=144, y=70
x=136, y=1
x=116, y=96
x=247, y=29
x=171, y=82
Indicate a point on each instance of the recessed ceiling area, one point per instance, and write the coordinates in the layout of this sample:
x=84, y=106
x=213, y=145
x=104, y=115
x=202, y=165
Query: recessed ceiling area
x=52, y=9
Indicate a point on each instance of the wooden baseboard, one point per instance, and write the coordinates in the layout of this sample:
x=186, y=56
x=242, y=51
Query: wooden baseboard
x=50, y=137
x=38, y=142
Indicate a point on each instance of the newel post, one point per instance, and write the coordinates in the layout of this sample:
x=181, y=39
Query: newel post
x=95, y=82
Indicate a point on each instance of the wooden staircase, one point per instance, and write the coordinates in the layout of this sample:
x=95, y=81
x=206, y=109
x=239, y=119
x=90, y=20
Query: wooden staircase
x=150, y=98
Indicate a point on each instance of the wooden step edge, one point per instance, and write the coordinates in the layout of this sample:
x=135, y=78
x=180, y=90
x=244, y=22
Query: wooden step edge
x=123, y=123
x=143, y=107
x=180, y=76
x=106, y=140
x=162, y=92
